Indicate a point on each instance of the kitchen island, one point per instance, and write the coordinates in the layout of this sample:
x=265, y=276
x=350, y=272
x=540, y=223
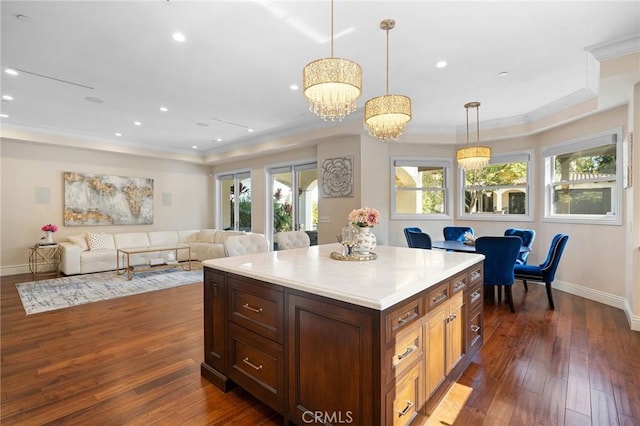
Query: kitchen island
x=328, y=341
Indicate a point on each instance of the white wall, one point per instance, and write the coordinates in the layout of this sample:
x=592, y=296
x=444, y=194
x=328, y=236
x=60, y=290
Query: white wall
x=27, y=166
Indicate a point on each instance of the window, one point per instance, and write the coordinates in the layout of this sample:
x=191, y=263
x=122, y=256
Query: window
x=501, y=190
x=234, y=201
x=420, y=189
x=582, y=182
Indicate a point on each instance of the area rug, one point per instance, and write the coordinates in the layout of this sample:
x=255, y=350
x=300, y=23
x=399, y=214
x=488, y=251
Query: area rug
x=58, y=293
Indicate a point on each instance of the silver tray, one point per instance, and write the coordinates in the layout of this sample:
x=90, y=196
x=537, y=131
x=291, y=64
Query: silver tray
x=353, y=257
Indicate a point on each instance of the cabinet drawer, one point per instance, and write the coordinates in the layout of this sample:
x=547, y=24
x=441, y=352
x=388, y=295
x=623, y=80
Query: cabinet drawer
x=407, y=347
x=257, y=364
x=459, y=283
x=402, y=317
x=404, y=403
x=257, y=308
x=475, y=331
x=437, y=296
x=475, y=297
x=476, y=274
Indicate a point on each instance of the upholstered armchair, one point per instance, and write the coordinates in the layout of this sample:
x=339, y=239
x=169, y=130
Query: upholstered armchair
x=500, y=255
x=456, y=233
x=238, y=245
x=292, y=239
x=527, y=235
x=546, y=271
x=410, y=229
x=416, y=239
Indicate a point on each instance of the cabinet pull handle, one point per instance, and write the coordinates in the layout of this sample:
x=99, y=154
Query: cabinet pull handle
x=475, y=328
x=458, y=285
x=406, y=353
x=252, y=309
x=406, y=409
x=252, y=365
x=475, y=275
x=409, y=315
x=438, y=299
x=475, y=295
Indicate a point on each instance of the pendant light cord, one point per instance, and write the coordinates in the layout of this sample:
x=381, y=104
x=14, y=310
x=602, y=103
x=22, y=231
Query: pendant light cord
x=332, y=28
x=387, y=61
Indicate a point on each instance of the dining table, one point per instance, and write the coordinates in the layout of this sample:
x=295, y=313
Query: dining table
x=463, y=246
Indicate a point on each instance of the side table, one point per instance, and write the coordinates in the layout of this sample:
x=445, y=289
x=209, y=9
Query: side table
x=44, y=260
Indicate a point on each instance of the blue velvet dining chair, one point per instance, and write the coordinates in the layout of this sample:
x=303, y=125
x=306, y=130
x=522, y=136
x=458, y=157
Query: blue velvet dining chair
x=456, y=233
x=546, y=271
x=527, y=235
x=410, y=229
x=418, y=240
x=500, y=255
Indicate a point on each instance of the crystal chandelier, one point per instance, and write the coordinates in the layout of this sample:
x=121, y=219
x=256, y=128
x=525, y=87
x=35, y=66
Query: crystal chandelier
x=387, y=116
x=332, y=85
x=473, y=157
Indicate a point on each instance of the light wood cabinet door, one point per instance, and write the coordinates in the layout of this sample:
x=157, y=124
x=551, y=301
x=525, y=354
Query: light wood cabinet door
x=436, y=333
x=455, y=336
x=445, y=341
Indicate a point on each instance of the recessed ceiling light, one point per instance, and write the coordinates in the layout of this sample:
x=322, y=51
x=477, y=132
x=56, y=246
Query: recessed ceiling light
x=164, y=109
x=137, y=123
x=118, y=134
x=503, y=73
x=11, y=71
x=441, y=64
x=195, y=147
x=293, y=87
x=4, y=116
x=179, y=37
x=250, y=130
x=21, y=17
x=201, y=124
x=94, y=100
x=219, y=140
x=7, y=97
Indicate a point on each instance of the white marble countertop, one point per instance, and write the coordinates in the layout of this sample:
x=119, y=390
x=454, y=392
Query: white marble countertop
x=397, y=273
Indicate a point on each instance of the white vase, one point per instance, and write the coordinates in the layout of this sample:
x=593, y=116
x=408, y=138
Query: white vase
x=48, y=237
x=365, y=241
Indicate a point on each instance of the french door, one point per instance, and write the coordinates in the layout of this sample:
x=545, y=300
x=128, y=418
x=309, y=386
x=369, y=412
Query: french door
x=235, y=201
x=294, y=199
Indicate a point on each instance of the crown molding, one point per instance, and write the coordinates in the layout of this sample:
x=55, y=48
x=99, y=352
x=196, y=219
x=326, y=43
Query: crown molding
x=615, y=49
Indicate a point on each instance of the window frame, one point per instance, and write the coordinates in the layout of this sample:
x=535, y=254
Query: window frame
x=525, y=155
x=447, y=165
x=611, y=136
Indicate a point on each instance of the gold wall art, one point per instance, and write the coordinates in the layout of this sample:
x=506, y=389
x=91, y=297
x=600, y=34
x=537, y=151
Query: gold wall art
x=91, y=199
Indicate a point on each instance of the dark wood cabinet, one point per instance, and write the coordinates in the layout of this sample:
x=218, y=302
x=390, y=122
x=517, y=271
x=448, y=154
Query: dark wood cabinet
x=319, y=360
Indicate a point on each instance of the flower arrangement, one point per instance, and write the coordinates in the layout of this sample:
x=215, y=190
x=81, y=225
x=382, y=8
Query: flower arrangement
x=49, y=228
x=364, y=217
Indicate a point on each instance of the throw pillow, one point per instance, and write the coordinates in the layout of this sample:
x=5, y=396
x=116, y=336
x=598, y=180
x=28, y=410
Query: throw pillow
x=79, y=240
x=96, y=241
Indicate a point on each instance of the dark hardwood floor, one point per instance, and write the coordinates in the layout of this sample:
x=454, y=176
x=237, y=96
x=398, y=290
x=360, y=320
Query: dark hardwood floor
x=136, y=360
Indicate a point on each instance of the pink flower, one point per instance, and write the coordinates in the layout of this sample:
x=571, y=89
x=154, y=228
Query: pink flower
x=364, y=217
x=49, y=227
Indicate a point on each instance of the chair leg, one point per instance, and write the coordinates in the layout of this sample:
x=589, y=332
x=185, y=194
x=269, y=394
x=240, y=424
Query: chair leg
x=526, y=287
x=509, y=297
x=499, y=293
x=550, y=296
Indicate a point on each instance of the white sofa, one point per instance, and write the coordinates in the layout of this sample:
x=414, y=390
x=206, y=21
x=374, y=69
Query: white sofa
x=96, y=252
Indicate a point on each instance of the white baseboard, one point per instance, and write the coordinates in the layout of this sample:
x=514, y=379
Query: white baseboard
x=602, y=297
x=14, y=270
